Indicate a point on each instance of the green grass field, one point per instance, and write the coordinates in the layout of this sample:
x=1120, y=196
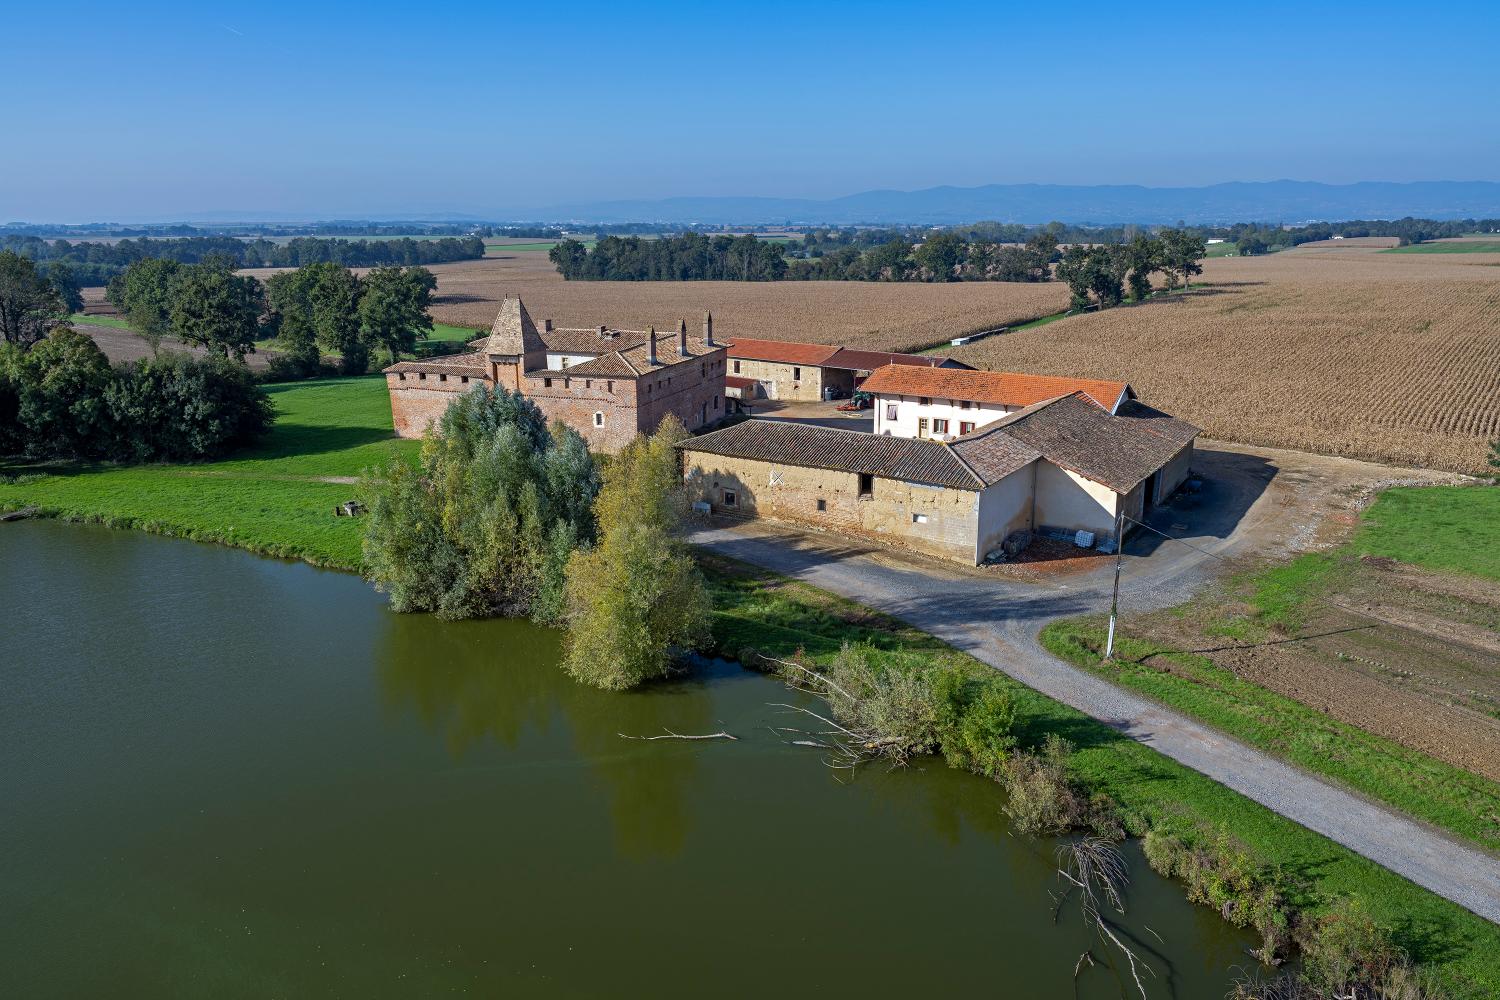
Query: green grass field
x=1226, y=249
x=274, y=498
x=779, y=617
x=1444, y=528
x=1457, y=246
x=111, y=321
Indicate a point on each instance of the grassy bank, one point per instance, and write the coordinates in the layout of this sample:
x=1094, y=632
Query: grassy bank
x=1456, y=246
x=276, y=498
x=781, y=617
x=1449, y=529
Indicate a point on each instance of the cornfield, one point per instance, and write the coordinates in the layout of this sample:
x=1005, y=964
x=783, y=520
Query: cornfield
x=1388, y=357
x=874, y=316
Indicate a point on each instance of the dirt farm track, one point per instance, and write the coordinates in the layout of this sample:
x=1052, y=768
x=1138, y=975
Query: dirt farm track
x=1349, y=351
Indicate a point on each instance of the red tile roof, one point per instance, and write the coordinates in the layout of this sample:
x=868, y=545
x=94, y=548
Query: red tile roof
x=736, y=382
x=1006, y=388
x=783, y=351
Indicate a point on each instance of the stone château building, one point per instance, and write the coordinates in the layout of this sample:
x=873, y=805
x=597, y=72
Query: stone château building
x=605, y=383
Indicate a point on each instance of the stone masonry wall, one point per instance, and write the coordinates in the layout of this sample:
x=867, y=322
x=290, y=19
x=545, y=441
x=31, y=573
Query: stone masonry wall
x=791, y=493
x=809, y=387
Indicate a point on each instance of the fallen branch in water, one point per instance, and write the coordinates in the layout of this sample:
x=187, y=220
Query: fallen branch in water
x=681, y=736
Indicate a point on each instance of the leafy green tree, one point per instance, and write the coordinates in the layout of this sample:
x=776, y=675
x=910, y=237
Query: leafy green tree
x=143, y=293
x=289, y=299
x=485, y=522
x=1251, y=244
x=939, y=256
x=333, y=294
x=58, y=389
x=1142, y=257
x=636, y=600
x=393, y=308
x=64, y=277
x=1181, y=251
x=1096, y=271
x=177, y=408
x=217, y=309
x=29, y=305
x=1041, y=253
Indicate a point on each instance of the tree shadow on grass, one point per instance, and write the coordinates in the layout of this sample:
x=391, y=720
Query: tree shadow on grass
x=298, y=440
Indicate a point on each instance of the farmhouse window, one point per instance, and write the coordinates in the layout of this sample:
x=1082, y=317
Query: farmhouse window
x=964, y=404
x=866, y=486
x=940, y=427
x=796, y=374
x=890, y=411
x=822, y=504
x=465, y=379
x=736, y=367
x=442, y=378
x=401, y=376
x=925, y=401
x=546, y=383
x=731, y=499
x=598, y=418
x=421, y=376
x=919, y=519
x=965, y=426
x=610, y=385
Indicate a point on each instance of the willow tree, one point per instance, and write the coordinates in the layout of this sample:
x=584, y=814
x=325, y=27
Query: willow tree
x=636, y=601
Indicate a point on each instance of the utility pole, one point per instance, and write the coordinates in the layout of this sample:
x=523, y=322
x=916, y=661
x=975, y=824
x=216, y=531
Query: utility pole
x=1114, y=601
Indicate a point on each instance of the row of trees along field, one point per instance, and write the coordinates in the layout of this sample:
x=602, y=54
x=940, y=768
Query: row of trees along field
x=317, y=308
x=951, y=255
x=91, y=263
x=1252, y=238
x=689, y=257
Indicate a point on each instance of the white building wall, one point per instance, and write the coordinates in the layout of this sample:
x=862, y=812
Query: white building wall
x=558, y=361
x=1004, y=507
x=910, y=411
x=1067, y=500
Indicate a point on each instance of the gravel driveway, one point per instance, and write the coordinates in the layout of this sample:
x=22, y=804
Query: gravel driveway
x=997, y=622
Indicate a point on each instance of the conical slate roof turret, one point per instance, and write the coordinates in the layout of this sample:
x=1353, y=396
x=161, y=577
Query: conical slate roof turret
x=513, y=334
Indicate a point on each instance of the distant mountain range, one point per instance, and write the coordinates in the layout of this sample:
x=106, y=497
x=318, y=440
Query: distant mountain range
x=1271, y=201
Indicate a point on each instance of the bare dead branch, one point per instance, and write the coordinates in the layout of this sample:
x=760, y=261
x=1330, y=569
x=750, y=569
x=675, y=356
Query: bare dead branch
x=680, y=736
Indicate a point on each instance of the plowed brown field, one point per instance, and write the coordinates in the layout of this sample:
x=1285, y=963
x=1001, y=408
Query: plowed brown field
x=855, y=314
x=1390, y=357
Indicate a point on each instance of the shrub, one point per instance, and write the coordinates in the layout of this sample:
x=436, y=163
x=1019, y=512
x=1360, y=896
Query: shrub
x=1221, y=875
x=177, y=408
x=976, y=723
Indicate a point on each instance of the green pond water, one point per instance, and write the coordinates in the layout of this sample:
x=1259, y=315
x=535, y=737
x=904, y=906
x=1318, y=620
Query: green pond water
x=227, y=776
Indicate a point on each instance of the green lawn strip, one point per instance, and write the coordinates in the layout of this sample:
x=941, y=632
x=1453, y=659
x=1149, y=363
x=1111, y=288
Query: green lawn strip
x=1458, y=246
x=267, y=499
x=111, y=321
x=1429, y=789
x=1447, y=528
x=778, y=617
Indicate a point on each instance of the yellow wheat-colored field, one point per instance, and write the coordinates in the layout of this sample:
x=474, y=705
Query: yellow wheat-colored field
x=874, y=316
x=1390, y=357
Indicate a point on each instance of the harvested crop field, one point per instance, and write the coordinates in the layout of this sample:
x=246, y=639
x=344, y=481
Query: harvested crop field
x=891, y=317
x=1389, y=357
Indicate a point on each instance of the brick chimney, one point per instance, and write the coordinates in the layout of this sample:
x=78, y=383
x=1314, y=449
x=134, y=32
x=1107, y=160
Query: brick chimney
x=708, y=329
x=682, y=338
x=603, y=333
x=651, y=347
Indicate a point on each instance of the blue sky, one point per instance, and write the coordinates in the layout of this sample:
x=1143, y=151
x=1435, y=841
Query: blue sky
x=145, y=111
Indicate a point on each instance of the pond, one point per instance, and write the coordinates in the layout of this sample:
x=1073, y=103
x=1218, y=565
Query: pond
x=231, y=776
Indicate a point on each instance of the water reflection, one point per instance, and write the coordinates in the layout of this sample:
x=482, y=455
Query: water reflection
x=498, y=680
